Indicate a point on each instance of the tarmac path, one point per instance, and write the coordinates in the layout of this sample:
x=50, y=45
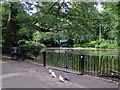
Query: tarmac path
x=17, y=74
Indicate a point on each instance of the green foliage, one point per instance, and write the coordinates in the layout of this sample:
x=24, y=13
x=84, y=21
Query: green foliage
x=58, y=21
x=77, y=45
x=95, y=44
x=108, y=45
x=66, y=45
x=89, y=44
x=92, y=43
x=104, y=45
x=34, y=47
x=69, y=43
x=23, y=42
x=50, y=42
x=5, y=15
x=85, y=45
x=28, y=51
x=48, y=38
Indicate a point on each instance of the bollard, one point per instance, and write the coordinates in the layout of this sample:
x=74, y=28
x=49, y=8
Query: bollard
x=82, y=64
x=79, y=64
x=44, y=58
x=14, y=53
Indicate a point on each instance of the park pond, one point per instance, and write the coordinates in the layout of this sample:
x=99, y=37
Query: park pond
x=85, y=51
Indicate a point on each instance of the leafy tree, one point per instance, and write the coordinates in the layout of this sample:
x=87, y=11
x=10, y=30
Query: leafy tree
x=58, y=20
x=15, y=22
x=12, y=27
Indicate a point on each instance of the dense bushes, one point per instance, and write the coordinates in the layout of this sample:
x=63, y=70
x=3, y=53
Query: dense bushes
x=49, y=42
x=77, y=45
x=92, y=44
x=89, y=44
x=96, y=44
x=29, y=51
x=107, y=45
x=66, y=45
x=43, y=43
x=69, y=43
x=25, y=42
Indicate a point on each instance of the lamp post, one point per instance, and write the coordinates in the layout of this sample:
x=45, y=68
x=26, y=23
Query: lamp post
x=100, y=46
x=99, y=7
x=100, y=35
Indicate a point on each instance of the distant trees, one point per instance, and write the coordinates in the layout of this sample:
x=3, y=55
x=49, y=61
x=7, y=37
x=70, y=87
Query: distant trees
x=61, y=20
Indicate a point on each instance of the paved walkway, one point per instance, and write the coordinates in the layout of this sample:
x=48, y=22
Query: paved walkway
x=17, y=74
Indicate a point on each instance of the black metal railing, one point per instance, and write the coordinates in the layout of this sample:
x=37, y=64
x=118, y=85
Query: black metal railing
x=106, y=66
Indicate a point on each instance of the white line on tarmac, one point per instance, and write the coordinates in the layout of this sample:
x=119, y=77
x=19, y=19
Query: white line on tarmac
x=9, y=75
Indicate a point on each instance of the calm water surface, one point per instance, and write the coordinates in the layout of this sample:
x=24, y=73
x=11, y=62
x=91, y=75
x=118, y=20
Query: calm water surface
x=94, y=52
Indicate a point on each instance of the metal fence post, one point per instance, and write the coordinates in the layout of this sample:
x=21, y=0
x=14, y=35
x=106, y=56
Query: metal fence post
x=82, y=64
x=118, y=71
x=44, y=58
x=79, y=64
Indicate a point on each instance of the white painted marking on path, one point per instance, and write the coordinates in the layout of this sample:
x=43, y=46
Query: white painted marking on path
x=10, y=75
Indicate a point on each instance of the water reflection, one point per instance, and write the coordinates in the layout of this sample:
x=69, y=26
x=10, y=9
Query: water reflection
x=64, y=51
x=93, y=52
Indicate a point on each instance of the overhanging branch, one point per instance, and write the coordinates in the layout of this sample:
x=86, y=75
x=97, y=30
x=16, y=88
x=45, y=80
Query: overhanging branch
x=42, y=29
x=48, y=9
x=57, y=14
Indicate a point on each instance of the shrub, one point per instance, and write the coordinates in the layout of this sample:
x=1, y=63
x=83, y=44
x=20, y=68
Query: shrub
x=92, y=43
x=69, y=43
x=77, y=45
x=28, y=51
x=104, y=45
x=89, y=44
x=97, y=46
x=113, y=46
x=66, y=45
x=23, y=42
x=50, y=42
x=107, y=45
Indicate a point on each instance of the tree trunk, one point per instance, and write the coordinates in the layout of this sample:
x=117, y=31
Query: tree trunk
x=12, y=29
